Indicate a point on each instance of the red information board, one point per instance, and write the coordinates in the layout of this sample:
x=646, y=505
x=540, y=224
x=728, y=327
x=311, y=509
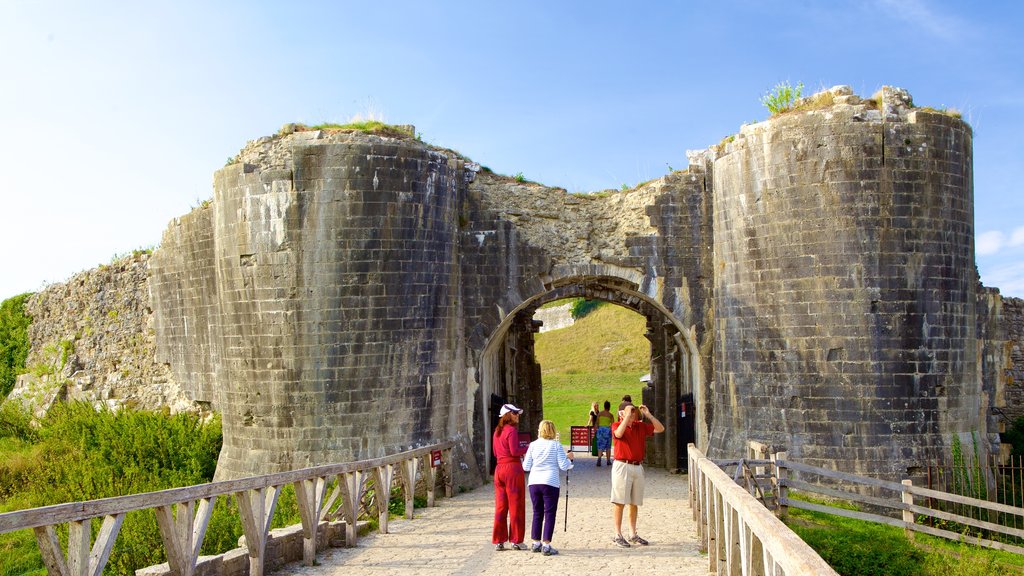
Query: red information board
x=579, y=437
x=435, y=458
x=524, y=441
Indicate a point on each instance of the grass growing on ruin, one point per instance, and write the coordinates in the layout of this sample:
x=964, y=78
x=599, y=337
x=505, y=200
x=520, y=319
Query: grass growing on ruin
x=366, y=126
x=858, y=548
x=600, y=357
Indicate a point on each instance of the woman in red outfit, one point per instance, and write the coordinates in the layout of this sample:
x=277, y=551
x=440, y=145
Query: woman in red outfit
x=509, y=482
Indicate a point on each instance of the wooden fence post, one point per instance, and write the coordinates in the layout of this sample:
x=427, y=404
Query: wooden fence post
x=383, y=476
x=409, y=468
x=350, y=504
x=781, y=490
x=309, y=494
x=908, y=515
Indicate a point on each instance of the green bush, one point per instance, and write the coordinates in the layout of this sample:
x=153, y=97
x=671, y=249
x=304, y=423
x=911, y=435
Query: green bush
x=581, y=307
x=82, y=454
x=13, y=341
x=1015, y=436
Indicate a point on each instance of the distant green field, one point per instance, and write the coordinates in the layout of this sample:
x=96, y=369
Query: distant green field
x=567, y=397
x=601, y=357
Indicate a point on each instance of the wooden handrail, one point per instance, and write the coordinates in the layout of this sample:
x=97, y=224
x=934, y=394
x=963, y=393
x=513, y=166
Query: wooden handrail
x=183, y=513
x=739, y=533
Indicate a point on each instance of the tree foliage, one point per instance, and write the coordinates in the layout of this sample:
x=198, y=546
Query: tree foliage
x=13, y=341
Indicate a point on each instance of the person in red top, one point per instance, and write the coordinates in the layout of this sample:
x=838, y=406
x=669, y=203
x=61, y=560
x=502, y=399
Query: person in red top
x=509, y=482
x=630, y=434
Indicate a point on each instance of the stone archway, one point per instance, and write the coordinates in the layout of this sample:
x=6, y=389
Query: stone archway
x=508, y=368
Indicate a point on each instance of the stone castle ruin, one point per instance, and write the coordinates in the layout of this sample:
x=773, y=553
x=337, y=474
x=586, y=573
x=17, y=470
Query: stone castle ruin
x=808, y=285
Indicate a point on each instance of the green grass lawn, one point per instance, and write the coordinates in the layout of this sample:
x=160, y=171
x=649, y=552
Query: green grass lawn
x=567, y=397
x=600, y=357
x=858, y=548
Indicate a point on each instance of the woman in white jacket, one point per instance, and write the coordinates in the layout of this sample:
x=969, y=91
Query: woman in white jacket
x=544, y=459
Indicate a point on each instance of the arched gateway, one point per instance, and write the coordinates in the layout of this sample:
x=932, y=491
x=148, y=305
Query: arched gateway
x=810, y=282
x=508, y=369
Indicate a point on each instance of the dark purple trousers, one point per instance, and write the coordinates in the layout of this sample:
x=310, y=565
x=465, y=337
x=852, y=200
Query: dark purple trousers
x=545, y=504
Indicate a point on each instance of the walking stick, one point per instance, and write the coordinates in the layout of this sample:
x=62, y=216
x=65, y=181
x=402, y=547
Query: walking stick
x=566, y=529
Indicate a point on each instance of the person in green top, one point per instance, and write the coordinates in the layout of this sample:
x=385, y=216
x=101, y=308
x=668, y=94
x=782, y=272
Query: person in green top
x=604, y=434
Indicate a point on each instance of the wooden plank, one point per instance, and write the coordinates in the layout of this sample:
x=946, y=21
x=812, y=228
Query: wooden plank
x=908, y=514
x=867, y=516
x=256, y=509
x=409, y=468
x=175, y=525
x=836, y=475
x=77, y=511
x=961, y=538
x=49, y=548
x=967, y=520
x=354, y=483
x=200, y=524
x=104, y=544
x=79, y=540
x=383, y=475
x=841, y=494
x=430, y=480
x=326, y=512
x=966, y=500
x=309, y=495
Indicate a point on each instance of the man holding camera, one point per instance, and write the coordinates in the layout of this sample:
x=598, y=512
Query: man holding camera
x=630, y=434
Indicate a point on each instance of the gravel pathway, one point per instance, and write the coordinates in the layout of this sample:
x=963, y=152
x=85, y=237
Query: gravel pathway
x=454, y=537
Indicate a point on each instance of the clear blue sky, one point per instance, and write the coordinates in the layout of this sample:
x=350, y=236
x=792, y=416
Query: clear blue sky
x=114, y=116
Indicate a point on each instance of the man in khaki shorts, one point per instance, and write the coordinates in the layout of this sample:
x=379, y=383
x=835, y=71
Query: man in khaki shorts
x=630, y=436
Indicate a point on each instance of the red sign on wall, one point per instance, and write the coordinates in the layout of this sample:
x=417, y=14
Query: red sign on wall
x=435, y=458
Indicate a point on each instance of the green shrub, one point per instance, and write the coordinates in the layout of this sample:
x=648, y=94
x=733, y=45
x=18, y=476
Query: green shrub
x=82, y=454
x=782, y=98
x=1015, y=436
x=14, y=343
x=581, y=307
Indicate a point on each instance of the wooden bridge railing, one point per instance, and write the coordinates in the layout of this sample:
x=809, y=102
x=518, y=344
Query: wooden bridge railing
x=739, y=534
x=182, y=514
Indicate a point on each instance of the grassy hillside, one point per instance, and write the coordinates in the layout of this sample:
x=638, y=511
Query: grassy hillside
x=609, y=339
x=601, y=357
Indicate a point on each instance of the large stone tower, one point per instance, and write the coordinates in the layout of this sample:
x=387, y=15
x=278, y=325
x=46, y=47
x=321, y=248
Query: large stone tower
x=845, y=285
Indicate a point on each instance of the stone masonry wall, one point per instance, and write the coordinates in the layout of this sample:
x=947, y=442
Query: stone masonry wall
x=336, y=294
x=1013, y=357
x=185, y=294
x=845, y=287
x=92, y=339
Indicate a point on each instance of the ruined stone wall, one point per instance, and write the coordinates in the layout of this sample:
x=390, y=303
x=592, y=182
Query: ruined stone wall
x=1012, y=353
x=845, y=287
x=92, y=339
